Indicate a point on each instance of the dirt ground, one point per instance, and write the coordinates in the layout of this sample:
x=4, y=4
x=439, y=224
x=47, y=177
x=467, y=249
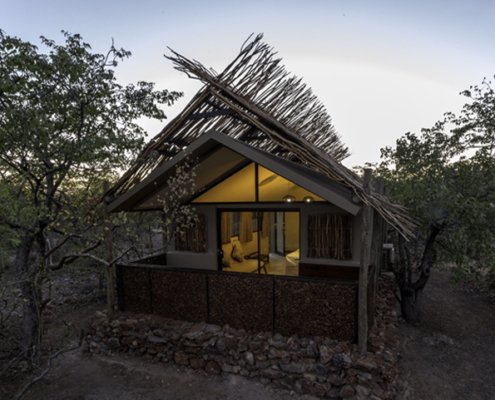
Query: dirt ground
x=449, y=355
x=78, y=377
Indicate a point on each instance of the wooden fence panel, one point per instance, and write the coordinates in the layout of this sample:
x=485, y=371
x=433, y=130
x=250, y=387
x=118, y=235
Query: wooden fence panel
x=136, y=296
x=179, y=294
x=242, y=301
x=311, y=308
x=260, y=302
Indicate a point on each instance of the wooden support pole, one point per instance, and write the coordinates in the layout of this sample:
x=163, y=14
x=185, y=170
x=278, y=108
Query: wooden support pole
x=164, y=233
x=377, y=240
x=367, y=216
x=109, y=273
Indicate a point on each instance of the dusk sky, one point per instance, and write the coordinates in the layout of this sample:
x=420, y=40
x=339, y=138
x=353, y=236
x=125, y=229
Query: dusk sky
x=381, y=68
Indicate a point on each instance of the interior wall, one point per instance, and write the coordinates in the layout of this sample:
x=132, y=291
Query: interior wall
x=291, y=231
x=210, y=211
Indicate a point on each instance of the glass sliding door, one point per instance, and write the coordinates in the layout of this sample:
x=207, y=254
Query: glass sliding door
x=264, y=242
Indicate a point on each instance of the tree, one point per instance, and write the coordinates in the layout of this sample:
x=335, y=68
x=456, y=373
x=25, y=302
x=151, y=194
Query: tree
x=63, y=119
x=446, y=177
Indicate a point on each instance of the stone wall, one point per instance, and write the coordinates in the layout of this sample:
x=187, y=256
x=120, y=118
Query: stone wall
x=315, y=365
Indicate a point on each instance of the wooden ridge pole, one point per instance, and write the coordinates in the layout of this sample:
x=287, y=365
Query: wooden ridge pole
x=366, y=229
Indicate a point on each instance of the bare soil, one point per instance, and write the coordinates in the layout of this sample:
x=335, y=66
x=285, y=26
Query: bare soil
x=449, y=355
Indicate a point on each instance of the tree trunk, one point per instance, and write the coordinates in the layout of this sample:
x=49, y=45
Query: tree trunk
x=411, y=304
x=412, y=292
x=30, y=301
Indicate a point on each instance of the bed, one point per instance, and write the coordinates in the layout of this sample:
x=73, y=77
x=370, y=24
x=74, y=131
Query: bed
x=293, y=258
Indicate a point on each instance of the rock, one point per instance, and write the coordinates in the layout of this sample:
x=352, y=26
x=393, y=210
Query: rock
x=195, y=331
x=197, y=363
x=347, y=392
x=213, y=328
x=181, y=358
x=138, y=335
x=242, y=346
x=312, y=351
x=335, y=379
x=154, y=339
x=175, y=335
x=293, y=368
x=213, y=368
x=322, y=388
x=361, y=392
x=219, y=359
x=115, y=324
x=342, y=361
x=310, y=378
x=84, y=347
x=365, y=364
x=280, y=345
x=273, y=353
x=308, y=397
x=428, y=341
x=285, y=359
x=272, y=373
x=321, y=370
x=263, y=364
x=334, y=393
x=231, y=343
x=231, y=369
x=364, y=376
x=221, y=346
x=443, y=340
x=325, y=355
x=254, y=346
x=159, y=333
x=93, y=344
x=248, y=357
x=96, y=338
x=114, y=342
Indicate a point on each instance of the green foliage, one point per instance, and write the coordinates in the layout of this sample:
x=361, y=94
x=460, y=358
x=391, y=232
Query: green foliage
x=64, y=121
x=178, y=214
x=446, y=177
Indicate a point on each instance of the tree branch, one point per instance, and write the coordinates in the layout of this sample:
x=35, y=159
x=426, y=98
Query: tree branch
x=71, y=257
x=49, y=366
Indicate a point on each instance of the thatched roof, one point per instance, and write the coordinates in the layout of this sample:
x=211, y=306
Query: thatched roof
x=255, y=100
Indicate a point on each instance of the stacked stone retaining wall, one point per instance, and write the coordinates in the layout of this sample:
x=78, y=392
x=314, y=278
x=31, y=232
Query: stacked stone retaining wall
x=319, y=366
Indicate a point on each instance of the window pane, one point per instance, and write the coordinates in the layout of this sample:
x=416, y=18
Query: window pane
x=273, y=187
x=239, y=188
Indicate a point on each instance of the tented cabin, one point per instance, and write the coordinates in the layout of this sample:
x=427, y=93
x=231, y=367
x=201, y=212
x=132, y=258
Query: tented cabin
x=258, y=213
x=278, y=243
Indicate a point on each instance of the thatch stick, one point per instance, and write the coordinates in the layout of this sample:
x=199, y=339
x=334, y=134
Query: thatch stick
x=367, y=223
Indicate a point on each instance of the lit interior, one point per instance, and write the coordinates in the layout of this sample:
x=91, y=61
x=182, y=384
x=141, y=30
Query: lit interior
x=240, y=188
x=272, y=249
x=273, y=187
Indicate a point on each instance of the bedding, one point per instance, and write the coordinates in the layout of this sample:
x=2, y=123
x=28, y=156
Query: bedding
x=293, y=258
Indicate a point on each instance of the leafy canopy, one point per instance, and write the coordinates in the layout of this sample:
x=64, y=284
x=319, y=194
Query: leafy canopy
x=446, y=177
x=63, y=116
